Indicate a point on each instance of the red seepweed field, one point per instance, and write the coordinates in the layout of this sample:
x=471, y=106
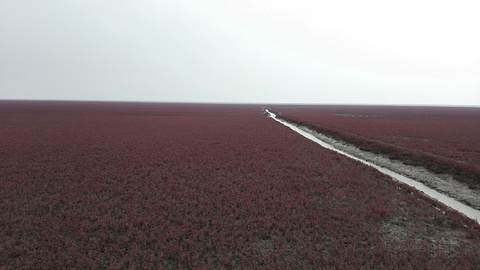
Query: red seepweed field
x=443, y=139
x=138, y=185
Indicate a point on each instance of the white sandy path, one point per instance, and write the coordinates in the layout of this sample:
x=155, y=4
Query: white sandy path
x=460, y=207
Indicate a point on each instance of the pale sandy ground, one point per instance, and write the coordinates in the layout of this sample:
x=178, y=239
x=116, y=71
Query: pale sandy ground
x=444, y=184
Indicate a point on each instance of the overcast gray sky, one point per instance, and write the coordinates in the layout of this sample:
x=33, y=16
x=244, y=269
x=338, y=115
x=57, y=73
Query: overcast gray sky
x=242, y=51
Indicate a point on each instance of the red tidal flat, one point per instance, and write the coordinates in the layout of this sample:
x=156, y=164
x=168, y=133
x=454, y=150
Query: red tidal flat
x=443, y=139
x=125, y=185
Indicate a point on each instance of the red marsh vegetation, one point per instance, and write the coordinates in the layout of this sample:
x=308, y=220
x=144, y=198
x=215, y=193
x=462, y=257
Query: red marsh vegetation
x=443, y=139
x=125, y=185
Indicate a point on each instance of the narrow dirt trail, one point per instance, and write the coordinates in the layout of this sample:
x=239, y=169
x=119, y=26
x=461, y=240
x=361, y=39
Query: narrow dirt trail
x=439, y=196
